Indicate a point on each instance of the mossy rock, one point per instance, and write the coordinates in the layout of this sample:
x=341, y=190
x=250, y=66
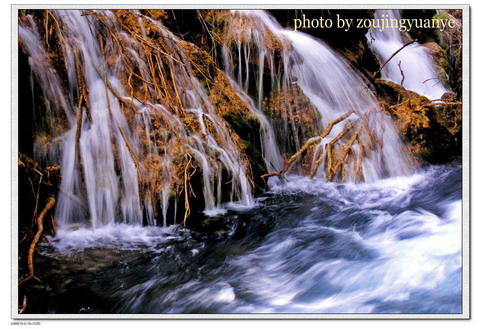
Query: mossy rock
x=210, y=226
x=442, y=64
x=241, y=123
x=393, y=93
x=433, y=133
x=256, y=158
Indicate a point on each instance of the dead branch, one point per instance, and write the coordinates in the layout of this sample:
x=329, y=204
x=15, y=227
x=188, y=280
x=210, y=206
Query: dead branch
x=59, y=29
x=37, y=195
x=326, y=154
x=129, y=147
x=348, y=148
x=330, y=169
x=186, y=178
x=127, y=102
x=73, y=198
x=401, y=72
x=174, y=83
x=150, y=44
x=319, y=160
x=38, y=235
x=24, y=305
x=359, y=168
x=213, y=35
x=390, y=58
x=442, y=104
x=315, y=140
x=270, y=175
x=81, y=85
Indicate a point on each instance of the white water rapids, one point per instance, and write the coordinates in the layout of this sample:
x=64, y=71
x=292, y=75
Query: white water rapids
x=393, y=246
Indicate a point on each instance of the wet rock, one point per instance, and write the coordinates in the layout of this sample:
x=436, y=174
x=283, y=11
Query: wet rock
x=393, y=93
x=440, y=59
x=451, y=41
x=432, y=132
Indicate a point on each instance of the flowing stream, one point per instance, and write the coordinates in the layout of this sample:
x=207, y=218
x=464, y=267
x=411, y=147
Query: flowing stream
x=393, y=246
x=389, y=244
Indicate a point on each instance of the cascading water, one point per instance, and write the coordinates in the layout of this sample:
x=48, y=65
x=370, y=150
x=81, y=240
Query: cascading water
x=104, y=186
x=135, y=112
x=112, y=155
x=331, y=86
x=412, y=67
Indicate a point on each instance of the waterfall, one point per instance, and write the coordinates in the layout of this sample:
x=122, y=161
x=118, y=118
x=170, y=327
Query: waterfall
x=133, y=122
x=329, y=84
x=287, y=183
x=130, y=144
x=412, y=67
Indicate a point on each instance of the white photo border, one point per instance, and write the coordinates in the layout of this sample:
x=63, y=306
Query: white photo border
x=466, y=156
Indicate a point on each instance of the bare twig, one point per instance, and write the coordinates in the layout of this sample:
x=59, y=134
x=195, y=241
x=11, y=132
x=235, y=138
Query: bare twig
x=390, y=58
x=186, y=178
x=401, y=72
